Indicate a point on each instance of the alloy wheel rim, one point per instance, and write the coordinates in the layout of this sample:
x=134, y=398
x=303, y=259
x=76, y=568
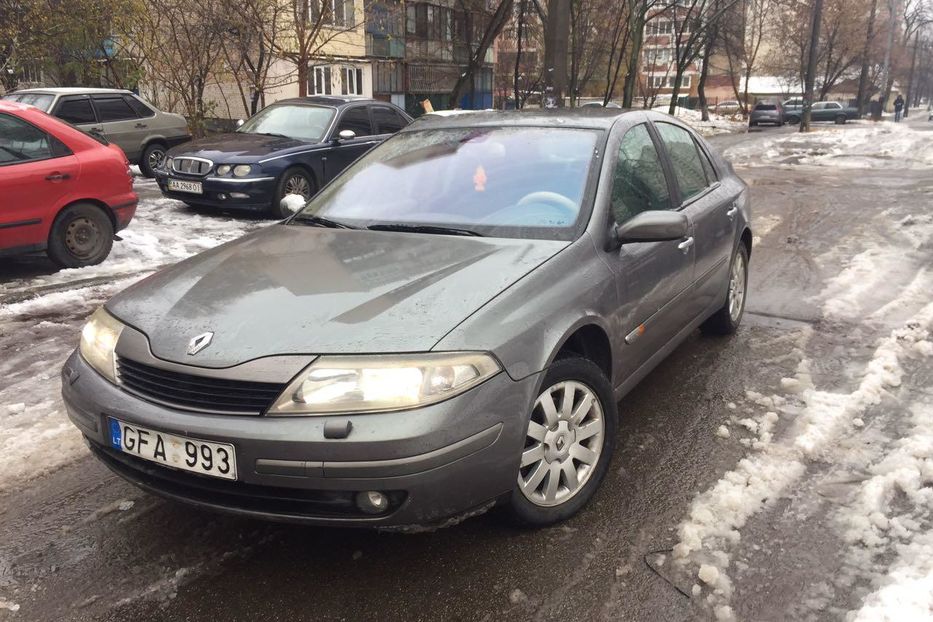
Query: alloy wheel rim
x=156, y=158
x=298, y=184
x=737, y=288
x=82, y=237
x=563, y=443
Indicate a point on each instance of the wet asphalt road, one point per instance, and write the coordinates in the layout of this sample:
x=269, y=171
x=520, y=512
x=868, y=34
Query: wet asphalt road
x=69, y=552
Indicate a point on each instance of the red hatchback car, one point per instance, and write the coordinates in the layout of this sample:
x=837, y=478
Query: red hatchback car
x=61, y=190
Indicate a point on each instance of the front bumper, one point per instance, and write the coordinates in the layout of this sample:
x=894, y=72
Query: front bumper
x=223, y=192
x=435, y=463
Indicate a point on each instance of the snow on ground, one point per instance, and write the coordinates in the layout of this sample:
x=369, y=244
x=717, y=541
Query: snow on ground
x=884, y=525
x=870, y=145
x=41, y=317
x=717, y=124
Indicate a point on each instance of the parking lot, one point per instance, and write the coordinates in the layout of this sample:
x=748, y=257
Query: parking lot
x=766, y=446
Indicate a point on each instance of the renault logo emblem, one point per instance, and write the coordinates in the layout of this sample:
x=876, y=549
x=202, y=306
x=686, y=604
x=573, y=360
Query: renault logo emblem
x=199, y=343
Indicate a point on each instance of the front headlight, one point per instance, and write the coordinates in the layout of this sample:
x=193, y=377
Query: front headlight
x=168, y=164
x=242, y=170
x=223, y=169
x=342, y=384
x=98, y=340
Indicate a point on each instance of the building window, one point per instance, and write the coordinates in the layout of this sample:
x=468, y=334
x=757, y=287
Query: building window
x=334, y=12
x=351, y=81
x=320, y=81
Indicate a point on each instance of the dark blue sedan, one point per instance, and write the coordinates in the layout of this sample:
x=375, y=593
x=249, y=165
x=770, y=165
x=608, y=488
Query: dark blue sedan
x=294, y=146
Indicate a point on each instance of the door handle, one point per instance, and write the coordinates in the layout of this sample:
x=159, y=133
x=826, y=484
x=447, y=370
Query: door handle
x=732, y=211
x=96, y=129
x=686, y=244
x=140, y=126
x=56, y=176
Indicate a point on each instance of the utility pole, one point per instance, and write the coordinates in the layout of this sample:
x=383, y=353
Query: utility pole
x=556, y=50
x=811, y=65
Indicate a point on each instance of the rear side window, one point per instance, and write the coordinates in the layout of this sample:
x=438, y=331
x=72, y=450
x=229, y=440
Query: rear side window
x=21, y=141
x=638, y=182
x=688, y=169
x=356, y=119
x=113, y=109
x=387, y=120
x=75, y=110
x=141, y=109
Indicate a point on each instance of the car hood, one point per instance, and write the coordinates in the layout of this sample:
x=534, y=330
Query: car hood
x=310, y=290
x=239, y=147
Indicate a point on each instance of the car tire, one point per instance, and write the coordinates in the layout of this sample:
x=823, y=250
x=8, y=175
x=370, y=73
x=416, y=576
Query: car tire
x=82, y=235
x=555, y=448
x=294, y=178
x=841, y=119
x=726, y=320
x=753, y=123
x=153, y=156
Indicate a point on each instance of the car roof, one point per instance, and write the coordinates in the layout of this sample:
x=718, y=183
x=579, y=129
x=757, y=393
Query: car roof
x=328, y=100
x=590, y=117
x=11, y=106
x=70, y=90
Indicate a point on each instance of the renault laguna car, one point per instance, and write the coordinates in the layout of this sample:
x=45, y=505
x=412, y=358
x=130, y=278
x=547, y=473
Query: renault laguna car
x=294, y=146
x=447, y=326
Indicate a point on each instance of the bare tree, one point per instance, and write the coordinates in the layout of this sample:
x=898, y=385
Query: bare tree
x=744, y=30
x=476, y=55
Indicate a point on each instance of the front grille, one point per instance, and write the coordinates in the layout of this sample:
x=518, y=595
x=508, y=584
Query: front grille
x=192, y=166
x=193, y=392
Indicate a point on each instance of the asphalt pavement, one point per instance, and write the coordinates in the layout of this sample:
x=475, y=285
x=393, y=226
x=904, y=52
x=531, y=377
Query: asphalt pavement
x=81, y=544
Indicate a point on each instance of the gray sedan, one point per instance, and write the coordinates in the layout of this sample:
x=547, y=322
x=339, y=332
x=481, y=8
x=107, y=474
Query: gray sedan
x=447, y=326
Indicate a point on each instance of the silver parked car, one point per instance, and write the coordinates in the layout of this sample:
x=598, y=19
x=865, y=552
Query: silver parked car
x=122, y=117
x=447, y=325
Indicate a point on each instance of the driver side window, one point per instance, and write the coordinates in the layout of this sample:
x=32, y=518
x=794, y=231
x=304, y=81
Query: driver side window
x=638, y=182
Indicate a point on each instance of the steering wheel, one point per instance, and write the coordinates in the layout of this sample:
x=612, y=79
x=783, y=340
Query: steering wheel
x=556, y=200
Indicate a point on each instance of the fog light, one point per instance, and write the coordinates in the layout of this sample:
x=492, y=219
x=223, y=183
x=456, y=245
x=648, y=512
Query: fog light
x=222, y=196
x=239, y=195
x=372, y=502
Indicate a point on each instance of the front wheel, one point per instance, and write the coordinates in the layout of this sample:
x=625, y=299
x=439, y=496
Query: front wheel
x=82, y=235
x=152, y=158
x=568, y=444
x=295, y=180
x=840, y=119
x=727, y=318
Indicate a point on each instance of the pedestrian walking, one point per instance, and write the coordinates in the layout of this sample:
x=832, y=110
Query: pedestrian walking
x=898, y=108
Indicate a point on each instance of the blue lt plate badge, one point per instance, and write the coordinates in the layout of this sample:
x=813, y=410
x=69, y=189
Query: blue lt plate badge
x=116, y=435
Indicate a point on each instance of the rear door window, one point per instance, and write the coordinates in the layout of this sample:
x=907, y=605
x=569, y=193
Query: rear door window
x=387, y=120
x=75, y=110
x=141, y=109
x=113, y=109
x=685, y=159
x=638, y=182
x=22, y=142
x=357, y=120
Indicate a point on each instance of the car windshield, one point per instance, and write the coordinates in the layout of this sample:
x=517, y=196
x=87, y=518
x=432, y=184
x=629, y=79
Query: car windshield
x=765, y=107
x=294, y=121
x=501, y=182
x=42, y=101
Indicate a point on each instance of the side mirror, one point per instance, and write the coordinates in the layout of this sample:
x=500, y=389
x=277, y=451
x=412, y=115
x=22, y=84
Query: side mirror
x=292, y=203
x=652, y=226
x=346, y=135
x=240, y=122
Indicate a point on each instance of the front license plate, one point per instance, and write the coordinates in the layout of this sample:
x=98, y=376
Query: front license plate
x=179, y=185
x=187, y=454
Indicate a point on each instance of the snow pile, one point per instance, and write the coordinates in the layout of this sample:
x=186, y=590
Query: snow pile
x=876, y=145
x=41, y=320
x=717, y=124
x=293, y=202
x=717, y=515
x=907, y=590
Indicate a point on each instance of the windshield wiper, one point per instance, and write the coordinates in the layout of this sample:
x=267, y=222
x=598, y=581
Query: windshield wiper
x=438, y=229
x=276, y=134
x=320, y=221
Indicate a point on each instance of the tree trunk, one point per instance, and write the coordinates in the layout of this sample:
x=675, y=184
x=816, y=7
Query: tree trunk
x=701, y=86
x=518, y=52
x=675, y=93
x=910, y=77
x=631, y=77
x=811, y=65
x=861, y=99
x=303, y=62
x=556, y=40
x=887, y=78
x=496, y=23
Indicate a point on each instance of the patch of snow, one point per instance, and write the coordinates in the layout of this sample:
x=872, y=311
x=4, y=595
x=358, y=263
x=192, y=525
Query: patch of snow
x=722, y=432
x=717, y=124
x=8, y=605
x=293, y=202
